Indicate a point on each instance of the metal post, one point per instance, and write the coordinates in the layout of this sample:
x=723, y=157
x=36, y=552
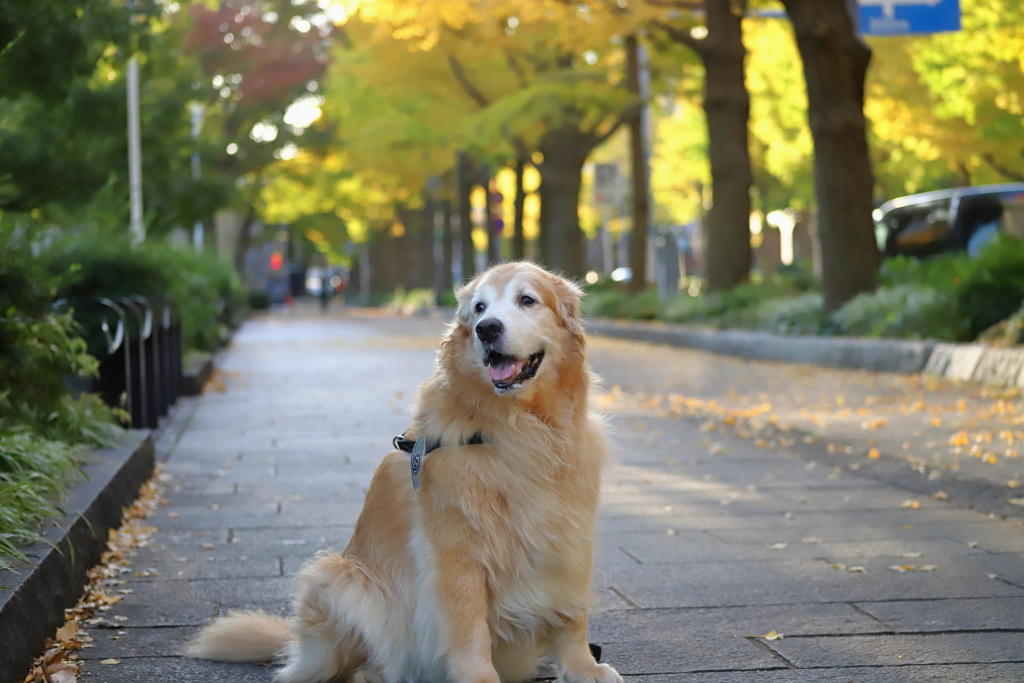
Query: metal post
x=644, y=83
x=197, y=110
x=138, y=230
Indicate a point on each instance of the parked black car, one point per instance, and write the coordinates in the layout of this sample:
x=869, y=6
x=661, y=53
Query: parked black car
x=962, y=219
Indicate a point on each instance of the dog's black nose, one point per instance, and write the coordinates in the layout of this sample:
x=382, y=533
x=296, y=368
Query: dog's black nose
x=489, y=330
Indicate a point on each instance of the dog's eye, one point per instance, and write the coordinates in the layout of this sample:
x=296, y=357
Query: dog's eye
x=479, y=307
x=527, y=300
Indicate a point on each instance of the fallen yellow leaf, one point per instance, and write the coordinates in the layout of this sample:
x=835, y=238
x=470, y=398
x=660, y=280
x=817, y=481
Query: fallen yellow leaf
x=874, y=454
x=1015, y=501
x=111, y=661
x=903, y=568
x=771, y=635
x=68, y=630
x=941, y=495
x=64, y=676
x=911, y=504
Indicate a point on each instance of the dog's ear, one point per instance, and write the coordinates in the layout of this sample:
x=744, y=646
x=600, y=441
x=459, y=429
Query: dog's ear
x=567, y=301
x=464, y=297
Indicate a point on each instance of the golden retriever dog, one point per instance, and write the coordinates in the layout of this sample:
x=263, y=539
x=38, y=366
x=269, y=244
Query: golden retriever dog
x=471, y=560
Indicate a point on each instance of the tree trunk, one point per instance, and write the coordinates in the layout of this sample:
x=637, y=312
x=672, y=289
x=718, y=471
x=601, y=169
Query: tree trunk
x=835, y=64
x=518, y=239
x=727, y=105
x=244, y=241
x=426, y=243
x=641, y=207
x=727, y=251
x=465, y=183
x=494, y=237
x=446, y=245
x=565, y=150
x=543, y=222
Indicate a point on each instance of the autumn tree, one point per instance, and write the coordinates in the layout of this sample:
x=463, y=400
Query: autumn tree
x=719, y=44
x=259, y=60
x=63, y=146
x=543, y=81
x=835, y=62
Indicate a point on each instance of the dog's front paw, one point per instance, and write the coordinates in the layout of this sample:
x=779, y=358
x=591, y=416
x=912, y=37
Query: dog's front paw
x=598, y=673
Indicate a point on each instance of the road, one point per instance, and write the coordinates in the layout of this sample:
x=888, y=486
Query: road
x=743, y=501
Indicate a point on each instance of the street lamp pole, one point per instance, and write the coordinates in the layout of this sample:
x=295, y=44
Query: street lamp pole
x=197, y=110
x=137, y=229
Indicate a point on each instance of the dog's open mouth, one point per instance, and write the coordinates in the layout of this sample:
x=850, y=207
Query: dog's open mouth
x=508, y=372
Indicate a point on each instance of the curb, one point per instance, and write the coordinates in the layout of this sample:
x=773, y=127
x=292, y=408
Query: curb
x=877, y=355
x=34, y=596
x=196, y=374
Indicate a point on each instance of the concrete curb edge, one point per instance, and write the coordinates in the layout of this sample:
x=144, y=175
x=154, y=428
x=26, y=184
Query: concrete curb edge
x=196, y=374
x=964, y=362
x=35, y=595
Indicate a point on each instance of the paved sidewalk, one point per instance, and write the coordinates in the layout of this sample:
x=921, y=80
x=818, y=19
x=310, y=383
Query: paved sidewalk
x=707, y=540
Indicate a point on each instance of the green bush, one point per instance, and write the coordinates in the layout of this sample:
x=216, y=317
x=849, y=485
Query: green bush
x=259, y=299
x=413, y=300
x=737, y=307
x=981, y=291
x=903, y=311
x=42, y=426
x=804, y=314
x=605, y=303
x=206, y=290
x=39, y=349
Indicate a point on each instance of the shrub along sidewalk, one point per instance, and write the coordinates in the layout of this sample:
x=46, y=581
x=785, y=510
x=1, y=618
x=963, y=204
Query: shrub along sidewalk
x=50, y=280
x=950, y=298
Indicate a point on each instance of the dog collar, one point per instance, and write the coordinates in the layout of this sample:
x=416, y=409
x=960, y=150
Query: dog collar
x=419, y=448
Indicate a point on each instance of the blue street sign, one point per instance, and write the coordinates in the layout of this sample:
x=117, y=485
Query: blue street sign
x=904, y=17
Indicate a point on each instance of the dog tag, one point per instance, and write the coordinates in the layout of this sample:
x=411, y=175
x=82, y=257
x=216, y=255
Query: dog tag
x=419, y=450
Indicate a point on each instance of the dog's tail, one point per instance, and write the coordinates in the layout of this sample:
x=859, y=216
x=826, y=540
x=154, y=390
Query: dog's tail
x=249, y=636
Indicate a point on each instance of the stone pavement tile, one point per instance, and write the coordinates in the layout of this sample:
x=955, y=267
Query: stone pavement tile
x=851, y=532
x=762, y=475
x=872, y=498
x=176, y=670
x=215, y=516
x=978, y=614
x=955, y=673
x=715, y=584
x=690, y=545
x=728, y=623
x=892, y=650
x=1008, y=566
x=699, y=653
x=212, y=566
x=193, y=603
x=182, y=543
x=246, y=515
x=831, y=525
x=351, y=489
x=137, y=642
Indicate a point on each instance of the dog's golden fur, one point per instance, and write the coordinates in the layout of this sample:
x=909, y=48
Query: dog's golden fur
x=486, y=569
